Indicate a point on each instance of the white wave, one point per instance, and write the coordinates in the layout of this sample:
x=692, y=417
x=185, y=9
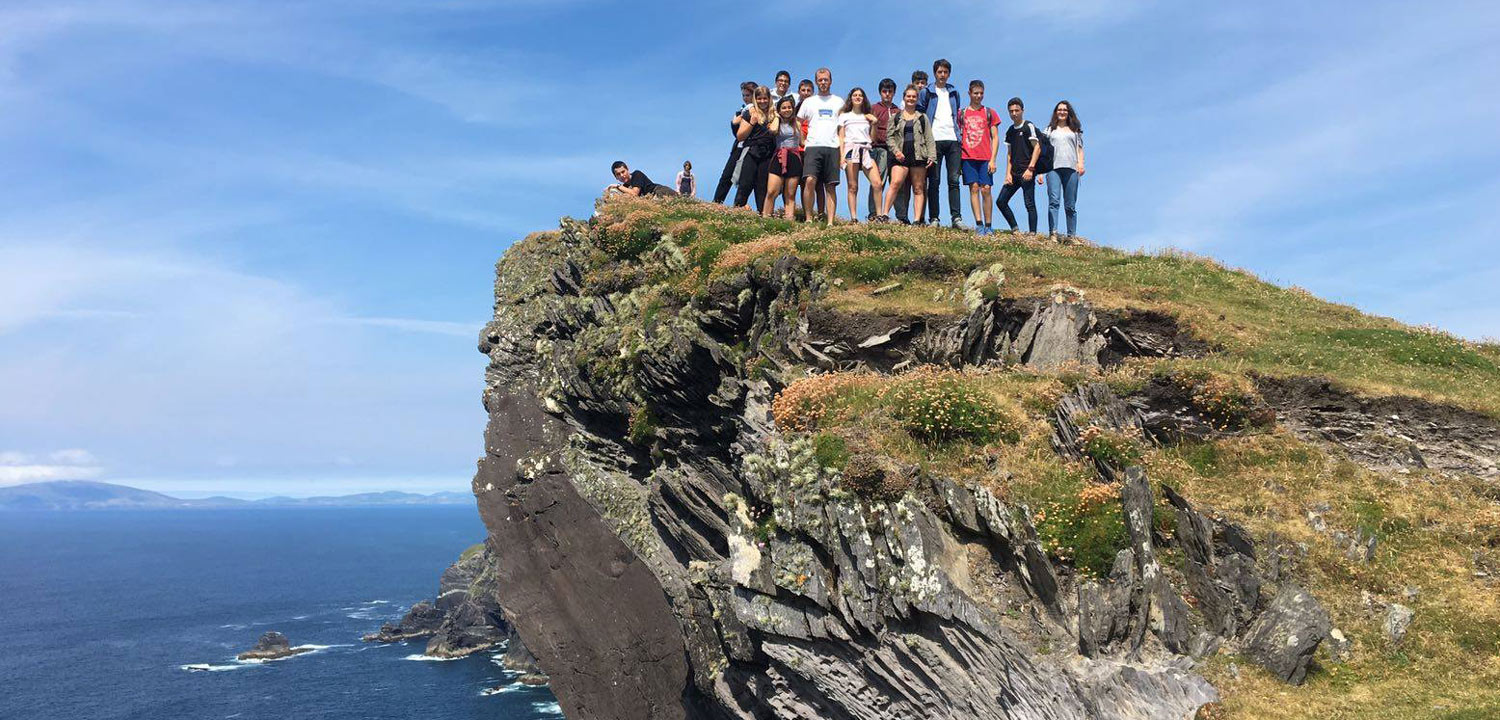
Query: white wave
x=513, y=687
x=427, y=658
x=377, y=602
x=208, y=667
x=299, y=617
x=551, y=708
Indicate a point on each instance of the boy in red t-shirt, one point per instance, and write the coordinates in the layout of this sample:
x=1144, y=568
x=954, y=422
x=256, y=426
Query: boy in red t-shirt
x=978, y=137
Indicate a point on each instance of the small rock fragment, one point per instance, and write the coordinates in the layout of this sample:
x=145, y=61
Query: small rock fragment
x=1397, y=620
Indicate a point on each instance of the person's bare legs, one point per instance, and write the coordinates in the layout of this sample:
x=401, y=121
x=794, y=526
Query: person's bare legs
x=919, y=193
x=831, y=194
x=809, y=199
x=986, y=202
x=789, y=198
x=851, y=177
x=773, y=191
x=873, y=173
x=898, y=181
x=976, y=203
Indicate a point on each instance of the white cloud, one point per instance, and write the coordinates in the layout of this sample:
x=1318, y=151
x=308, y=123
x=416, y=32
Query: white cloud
x=211, y=362
x=70, y=464
x=19, y=474
x=73, y=456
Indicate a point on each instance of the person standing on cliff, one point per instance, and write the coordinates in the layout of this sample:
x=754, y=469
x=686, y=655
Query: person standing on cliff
x=880, y=150
x=855, y=121
x=820, y=161
x=941, y=102
x=1023, y=148
x=687, y=183
x=903, y=197
x=979, y=127
x=732, y=165
x=757, y=133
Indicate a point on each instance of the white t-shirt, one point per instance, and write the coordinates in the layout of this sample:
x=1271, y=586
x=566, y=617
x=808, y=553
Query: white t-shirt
x=1065, y=144
x=942, y=117
x=821, y=113
x=856, y=128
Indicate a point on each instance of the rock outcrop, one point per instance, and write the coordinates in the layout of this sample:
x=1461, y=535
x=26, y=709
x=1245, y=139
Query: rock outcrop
x=464, y=618
x=272, y=645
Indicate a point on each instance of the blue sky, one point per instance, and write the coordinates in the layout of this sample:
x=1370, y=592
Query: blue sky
x=248, y=245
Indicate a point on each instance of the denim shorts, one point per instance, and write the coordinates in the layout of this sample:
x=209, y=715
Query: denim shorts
x=977, y=172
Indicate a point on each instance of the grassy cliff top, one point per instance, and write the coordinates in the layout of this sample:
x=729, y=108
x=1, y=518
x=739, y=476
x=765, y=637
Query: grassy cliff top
x=1254, y=325
x=1437, y=532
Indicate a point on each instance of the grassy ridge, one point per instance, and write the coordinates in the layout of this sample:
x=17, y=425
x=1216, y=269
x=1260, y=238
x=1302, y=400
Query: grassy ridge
x=1259, y=326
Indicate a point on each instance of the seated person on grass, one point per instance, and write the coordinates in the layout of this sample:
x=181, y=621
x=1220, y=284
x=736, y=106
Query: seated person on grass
x=634, y=183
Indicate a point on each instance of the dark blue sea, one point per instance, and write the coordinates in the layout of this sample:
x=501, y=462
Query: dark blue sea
x=101, y=612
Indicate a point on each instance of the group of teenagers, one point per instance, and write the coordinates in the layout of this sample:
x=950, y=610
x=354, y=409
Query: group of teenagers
x=814, y=139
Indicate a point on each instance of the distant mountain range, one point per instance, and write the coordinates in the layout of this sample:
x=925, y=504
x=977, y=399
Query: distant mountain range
x=85, y=495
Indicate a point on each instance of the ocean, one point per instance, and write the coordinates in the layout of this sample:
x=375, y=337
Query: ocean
x=102, y=612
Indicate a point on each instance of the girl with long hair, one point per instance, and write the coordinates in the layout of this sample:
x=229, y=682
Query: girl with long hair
x=855, y=121
x=786, y=163
x=760, y=144
x=909, y=136
x=1066, y=134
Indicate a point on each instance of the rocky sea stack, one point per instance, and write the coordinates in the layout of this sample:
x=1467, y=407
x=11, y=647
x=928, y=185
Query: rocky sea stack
x=465, y=618
x=740, y=468
x=271, y=646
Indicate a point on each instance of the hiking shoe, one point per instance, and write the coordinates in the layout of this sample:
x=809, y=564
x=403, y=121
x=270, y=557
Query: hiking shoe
x=958, y=224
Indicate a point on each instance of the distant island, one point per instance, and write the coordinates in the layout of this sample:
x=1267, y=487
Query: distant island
x=85, y=495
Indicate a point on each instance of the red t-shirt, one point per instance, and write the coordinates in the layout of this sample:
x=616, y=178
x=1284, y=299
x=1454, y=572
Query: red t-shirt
x=974, y=132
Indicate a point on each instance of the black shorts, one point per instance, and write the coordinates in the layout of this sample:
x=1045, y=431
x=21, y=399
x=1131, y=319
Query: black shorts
x=787, y=163
x=821, y=163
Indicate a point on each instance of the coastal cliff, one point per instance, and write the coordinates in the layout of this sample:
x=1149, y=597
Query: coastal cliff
x=738, y=468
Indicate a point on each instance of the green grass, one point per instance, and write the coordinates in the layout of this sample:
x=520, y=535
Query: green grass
x=1259, y=326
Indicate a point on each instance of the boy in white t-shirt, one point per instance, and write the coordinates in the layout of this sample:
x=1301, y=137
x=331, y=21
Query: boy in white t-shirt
x=820, y=159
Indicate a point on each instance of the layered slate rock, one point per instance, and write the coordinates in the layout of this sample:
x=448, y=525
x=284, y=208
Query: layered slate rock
x=667, y=553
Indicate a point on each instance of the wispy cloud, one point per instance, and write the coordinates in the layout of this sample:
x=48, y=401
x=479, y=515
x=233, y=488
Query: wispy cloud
x=70, y=464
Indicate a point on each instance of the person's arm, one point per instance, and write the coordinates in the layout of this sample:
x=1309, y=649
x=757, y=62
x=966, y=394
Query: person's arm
x=994, y=141
x=744, y=128
x=931, y=143
x=893, y=138
x=1036, y=154
x=841, y=146
x=1080, y=153
x=1009, y=178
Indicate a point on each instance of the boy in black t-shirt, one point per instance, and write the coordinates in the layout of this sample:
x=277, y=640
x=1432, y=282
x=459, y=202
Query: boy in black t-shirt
x=634, y=183
x=1024, y=148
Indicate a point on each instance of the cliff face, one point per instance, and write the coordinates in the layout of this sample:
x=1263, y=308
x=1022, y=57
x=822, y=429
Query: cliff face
x=670, y=547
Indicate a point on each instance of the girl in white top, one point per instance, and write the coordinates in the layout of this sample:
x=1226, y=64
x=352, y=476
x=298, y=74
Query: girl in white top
x=1066, y=135
x=854, y=123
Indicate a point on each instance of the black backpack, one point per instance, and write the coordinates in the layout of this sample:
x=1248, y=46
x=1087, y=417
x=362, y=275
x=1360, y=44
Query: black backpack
x=1044, y=159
